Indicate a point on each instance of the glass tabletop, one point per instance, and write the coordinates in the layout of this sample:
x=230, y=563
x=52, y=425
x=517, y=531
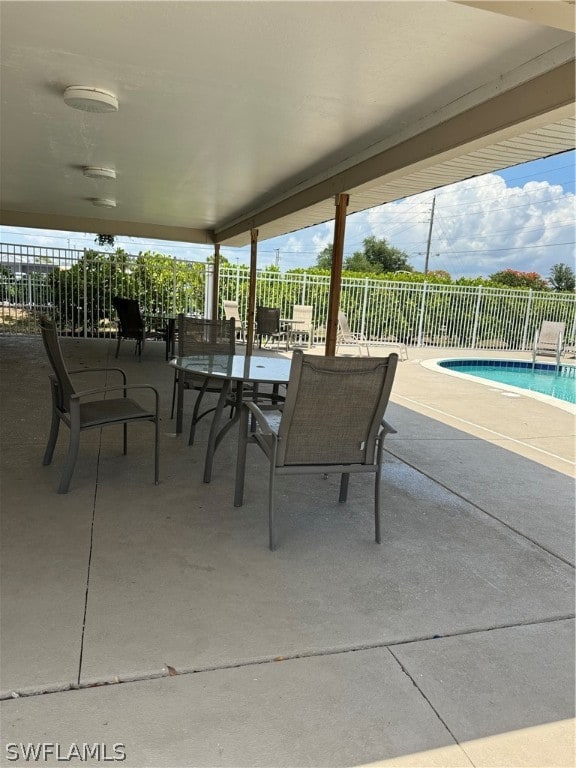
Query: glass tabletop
x=251, y=368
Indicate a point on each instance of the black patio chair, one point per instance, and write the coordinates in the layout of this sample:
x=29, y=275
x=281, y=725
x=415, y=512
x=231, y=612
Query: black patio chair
x=67, y=406
x=332, y=422
x=131, y=323
x=268, y=326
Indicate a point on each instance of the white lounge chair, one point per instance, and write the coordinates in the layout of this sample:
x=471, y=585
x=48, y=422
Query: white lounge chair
x=346, y=336
x=549, y=340
x=232, y=312
x=302, y=323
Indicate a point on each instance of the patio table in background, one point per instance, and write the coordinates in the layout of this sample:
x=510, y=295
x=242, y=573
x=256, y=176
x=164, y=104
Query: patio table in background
x=237, y=370
x=168, y=322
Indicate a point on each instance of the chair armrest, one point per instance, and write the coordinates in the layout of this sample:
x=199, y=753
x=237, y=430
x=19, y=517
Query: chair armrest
x=387, y=428
x=100, y=370
x=119, y=387
x=258, y=415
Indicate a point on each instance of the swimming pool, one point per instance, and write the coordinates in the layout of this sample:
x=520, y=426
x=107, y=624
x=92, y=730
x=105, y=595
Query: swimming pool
x=543, y=378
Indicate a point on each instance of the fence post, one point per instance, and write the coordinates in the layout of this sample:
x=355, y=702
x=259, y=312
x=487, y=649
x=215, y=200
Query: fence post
x=174, y=288
x=85, y=296
x=364, y=304
x=303, y=298
x=421, y=319
x=208, y=291
x=476, y=317
x=527, y=318
x=29, y=290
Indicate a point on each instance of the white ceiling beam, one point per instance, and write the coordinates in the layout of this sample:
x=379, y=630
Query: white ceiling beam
x=558, y=14
x=105, y=226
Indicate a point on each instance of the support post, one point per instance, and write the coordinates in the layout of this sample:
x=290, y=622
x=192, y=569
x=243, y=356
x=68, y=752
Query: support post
x=336, y=274
x=215, y=281
x=251, y=313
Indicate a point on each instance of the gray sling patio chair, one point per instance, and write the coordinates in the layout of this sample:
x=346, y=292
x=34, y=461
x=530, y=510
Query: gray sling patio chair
x=197, y=336
x=549, y=340
x=67, y=406
x=332, y=422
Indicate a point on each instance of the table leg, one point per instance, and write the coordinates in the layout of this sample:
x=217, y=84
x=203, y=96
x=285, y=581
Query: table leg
x=215, y=436
x=170, y=337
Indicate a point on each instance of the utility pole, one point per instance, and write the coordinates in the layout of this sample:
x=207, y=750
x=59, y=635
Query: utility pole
x=277, y=259
x=429, y=236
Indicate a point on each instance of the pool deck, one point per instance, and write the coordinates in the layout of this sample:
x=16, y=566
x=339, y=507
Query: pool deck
x=155, y=617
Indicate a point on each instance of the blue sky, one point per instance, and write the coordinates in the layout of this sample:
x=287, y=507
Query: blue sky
x=521, y=218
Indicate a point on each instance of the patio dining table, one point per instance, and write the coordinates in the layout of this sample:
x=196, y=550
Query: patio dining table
x=237, y=371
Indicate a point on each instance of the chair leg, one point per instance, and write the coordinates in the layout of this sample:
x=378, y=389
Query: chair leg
x=156, y=451
x=377, y=481
x=54, y=429
x=241, y=457
x=70, y=460
x=174, y=393
x=118, y=345
x=345, y=477
x=377, y=534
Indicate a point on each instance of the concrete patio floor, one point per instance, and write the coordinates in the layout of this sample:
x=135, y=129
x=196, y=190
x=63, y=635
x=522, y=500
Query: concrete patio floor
x=156, y=618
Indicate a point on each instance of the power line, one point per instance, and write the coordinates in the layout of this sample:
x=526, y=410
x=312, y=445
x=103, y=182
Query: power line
x=514, y=248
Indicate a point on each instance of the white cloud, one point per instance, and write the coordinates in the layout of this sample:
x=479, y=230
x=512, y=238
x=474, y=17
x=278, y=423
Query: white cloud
x=482, y=226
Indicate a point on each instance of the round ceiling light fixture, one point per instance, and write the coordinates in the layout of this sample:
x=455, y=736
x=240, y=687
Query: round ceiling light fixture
x=90, y=99
x=94, y=172
x=103, y=202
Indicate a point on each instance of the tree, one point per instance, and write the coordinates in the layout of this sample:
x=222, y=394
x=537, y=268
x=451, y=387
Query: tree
x=515, y=279
x=384, y=257
x=441, y=273
x=358, y=263
x=377, y=256
x=324, y=258
x=562, y=278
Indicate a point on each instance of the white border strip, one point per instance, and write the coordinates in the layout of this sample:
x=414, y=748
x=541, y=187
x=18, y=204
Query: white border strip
x=434, y=365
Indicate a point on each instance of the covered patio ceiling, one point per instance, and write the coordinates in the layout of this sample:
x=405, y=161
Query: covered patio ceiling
x=242, y=115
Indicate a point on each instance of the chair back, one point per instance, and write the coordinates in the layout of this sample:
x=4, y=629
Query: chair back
x=52, y=346
x=343, y=328
x=302, y=314
x=550, y=335
x=231, y=311
x=128, y=311
x=334, y=409
x=267, y=321
x=197, y=336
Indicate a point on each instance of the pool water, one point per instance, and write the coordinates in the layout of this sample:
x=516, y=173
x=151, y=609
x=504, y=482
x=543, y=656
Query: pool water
x=543, y=378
